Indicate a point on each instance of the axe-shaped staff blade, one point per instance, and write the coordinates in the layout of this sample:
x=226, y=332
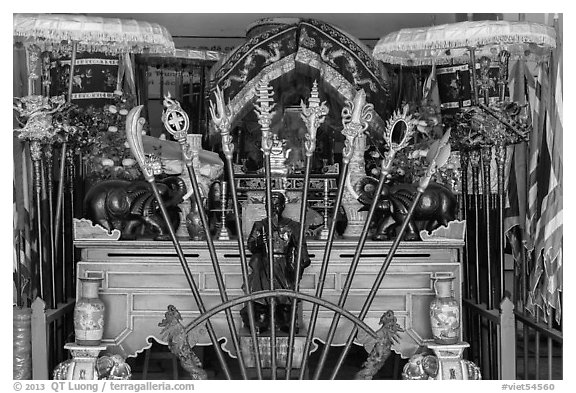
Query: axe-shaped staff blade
x=134, y=128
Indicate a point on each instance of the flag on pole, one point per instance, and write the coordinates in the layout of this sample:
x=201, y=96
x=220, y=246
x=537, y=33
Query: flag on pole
x=544, y=221
x=516, y=171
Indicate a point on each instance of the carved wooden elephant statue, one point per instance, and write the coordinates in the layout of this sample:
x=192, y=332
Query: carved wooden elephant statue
x=437, y=206
x=132, y=208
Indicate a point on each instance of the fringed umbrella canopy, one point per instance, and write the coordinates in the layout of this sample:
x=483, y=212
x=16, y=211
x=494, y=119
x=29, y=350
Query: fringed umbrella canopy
x=56, y=32
x=450, y=43
x=311, y=48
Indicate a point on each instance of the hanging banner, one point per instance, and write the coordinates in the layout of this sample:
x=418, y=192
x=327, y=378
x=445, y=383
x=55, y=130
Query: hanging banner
x=94, y=82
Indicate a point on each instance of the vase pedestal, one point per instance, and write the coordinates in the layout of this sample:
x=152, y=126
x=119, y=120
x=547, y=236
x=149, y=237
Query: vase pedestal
x=83, y=362
x=450, y=362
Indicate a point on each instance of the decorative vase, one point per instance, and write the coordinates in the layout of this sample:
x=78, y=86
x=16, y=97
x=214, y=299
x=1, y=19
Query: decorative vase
x=22, y=343
x=89, y=313
x=194, y=222
x=445, y=313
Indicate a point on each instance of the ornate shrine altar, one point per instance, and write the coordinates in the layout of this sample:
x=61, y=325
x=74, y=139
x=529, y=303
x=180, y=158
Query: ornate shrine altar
x=141, y=278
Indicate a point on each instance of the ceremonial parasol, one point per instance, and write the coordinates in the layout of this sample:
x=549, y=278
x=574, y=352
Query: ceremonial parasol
x=462, y=43
x=450, y=43
x=69, y=34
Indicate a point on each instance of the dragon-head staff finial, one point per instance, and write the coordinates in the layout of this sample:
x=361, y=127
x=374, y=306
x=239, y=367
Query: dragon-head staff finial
x=313, y=116
x=389, y=325
x=356, y=114
x=355, y=117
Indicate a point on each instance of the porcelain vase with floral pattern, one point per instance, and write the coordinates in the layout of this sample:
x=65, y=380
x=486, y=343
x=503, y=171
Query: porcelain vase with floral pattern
x=445, y=313
x=89, y=313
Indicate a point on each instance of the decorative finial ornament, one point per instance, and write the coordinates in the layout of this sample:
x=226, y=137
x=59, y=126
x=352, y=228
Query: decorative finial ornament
x=177, y=123
x=438, y=155
x=313, y=116
x=175, y=119
x=134, y=127
x=38, y=111
x=397, y=134
x=221, y=116
x=355, y=117
x=264, y=105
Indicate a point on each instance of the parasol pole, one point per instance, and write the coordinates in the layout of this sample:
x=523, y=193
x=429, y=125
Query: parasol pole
x=63, y=152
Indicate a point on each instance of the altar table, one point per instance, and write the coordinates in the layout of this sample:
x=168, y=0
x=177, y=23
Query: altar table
x=141, y=278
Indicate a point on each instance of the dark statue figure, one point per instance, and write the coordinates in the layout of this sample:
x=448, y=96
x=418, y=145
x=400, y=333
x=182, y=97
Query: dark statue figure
x=130, y=206
x=285, y=234
x=437, y=207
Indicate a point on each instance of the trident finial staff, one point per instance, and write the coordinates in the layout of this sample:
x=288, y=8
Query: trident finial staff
x=222, y=117
x=176, y=123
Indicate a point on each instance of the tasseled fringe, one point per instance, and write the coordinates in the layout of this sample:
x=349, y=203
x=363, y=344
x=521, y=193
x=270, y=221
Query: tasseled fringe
x=465, y=35
x=407, y=61
x=116, y=37
x=542, y=39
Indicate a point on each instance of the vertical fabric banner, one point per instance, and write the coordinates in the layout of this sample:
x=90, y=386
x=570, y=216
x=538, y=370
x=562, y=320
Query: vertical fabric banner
x=95, y=78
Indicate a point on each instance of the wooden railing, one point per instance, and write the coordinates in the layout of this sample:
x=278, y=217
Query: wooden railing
x=497, y=327
x=50, y=329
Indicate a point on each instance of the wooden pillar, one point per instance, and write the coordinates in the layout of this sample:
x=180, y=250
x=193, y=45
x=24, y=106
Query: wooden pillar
x=39, y=340
x=507, y=348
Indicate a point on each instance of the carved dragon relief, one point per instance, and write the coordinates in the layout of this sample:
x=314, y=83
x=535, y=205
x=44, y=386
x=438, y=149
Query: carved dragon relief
x=381, y=347
x=270, y=56
x=180, y=343
x=329, y=55
x=243, y=72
